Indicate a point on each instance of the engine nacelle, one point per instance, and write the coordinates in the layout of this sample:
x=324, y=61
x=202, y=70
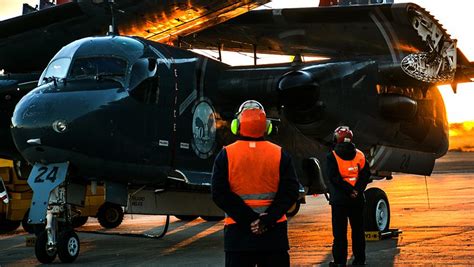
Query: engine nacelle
x=299, y=94
x=397, y=107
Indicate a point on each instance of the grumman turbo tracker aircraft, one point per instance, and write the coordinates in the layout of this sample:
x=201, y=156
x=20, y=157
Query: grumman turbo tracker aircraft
x=148, y=118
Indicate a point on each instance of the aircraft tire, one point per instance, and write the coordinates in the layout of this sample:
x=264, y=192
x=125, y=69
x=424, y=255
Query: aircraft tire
x=42, y=254
x=377, y=210
x=31, y=228
x=110, y=215
x=7, y=225
x=68, y=246
x=79, y=221
x=294, y=209
x=186, y=217
x=213, y=218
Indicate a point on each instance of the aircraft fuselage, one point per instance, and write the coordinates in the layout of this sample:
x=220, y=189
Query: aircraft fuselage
x=133, y=111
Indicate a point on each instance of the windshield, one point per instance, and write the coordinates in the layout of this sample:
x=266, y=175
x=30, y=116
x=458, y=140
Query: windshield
x=98, y=67
x=57, y=68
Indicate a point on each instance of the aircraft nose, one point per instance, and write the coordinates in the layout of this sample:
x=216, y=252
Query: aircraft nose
x=48, y=127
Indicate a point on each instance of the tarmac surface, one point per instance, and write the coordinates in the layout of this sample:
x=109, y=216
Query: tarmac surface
x=436, y=217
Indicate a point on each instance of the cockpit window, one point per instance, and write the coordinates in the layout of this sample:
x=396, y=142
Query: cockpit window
x=98, y=67
x=57, y=68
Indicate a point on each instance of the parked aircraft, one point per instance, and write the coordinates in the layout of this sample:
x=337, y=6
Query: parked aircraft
x=148, y=118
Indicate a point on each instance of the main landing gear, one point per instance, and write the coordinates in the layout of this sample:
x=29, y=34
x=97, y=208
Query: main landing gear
x=110, y=215
x=377, y=210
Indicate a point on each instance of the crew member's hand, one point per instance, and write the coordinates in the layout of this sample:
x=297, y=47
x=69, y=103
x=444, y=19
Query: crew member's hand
x=354, y=194
x=257, y=227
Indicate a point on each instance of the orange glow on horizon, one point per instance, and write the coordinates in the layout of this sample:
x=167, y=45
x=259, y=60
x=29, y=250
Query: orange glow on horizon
x=459, y=106
x=460, y=111
x=461, y=136
x=461, y=127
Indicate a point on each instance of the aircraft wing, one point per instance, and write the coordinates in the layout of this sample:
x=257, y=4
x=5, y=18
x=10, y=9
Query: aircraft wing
x=12, y=89
x=333, y=32
x=464, y=71
x=28, y=42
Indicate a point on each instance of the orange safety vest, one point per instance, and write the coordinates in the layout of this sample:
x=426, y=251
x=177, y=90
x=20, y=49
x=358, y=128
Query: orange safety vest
x=254, y=173
x=349, y=169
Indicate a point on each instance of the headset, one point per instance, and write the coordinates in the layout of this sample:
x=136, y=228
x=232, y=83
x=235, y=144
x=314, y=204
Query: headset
x=249, y=104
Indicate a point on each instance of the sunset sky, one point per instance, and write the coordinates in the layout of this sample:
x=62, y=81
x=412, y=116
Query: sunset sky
x=456, y=16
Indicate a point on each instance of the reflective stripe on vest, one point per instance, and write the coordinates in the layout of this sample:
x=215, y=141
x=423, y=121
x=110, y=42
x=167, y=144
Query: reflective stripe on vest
x=349, y=169
x=254, y=173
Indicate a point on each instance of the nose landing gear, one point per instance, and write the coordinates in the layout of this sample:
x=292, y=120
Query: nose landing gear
x=58, y=238
x=45, y=250
x=68, y=246
x=51, y=198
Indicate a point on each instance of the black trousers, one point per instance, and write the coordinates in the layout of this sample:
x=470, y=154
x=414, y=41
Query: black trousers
x=257, y=258
x=340, y=214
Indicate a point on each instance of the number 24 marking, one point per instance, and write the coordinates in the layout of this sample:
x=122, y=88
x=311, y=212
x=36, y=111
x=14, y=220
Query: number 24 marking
x=51, y=175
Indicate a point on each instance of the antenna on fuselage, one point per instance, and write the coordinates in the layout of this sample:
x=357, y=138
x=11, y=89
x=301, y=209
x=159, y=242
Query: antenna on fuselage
x=112, y=26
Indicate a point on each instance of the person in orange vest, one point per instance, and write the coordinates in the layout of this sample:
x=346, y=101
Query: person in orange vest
x=348, y=172
x=254, y=183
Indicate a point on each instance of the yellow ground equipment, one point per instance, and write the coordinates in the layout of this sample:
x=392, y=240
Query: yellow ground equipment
x=15, y=206
x=379, y=235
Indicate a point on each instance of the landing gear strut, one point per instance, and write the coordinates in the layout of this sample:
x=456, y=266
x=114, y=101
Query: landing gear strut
x=58, y=238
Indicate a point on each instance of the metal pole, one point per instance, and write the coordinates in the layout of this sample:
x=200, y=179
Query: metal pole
x=427, y=194
x=254, y=54
x=221, y=46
